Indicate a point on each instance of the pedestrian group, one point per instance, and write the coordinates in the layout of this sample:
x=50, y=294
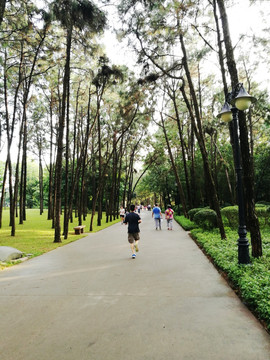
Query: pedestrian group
x=133, y=219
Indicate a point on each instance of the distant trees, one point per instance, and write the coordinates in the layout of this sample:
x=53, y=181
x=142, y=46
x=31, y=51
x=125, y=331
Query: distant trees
x=88, y=122
x=71, y=108
x=158, y=38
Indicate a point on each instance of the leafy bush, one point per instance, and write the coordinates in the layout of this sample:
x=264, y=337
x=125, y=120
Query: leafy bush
x=263, y=203
x=192, y=213
x=262, y=213
x=231, y=215
x=185, y=223
x=206, y=218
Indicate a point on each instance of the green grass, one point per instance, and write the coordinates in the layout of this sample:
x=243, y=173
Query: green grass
x=36, y=235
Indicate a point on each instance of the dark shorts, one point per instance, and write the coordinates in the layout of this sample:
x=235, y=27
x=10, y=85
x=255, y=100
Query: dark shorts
x=132, y=237
x=122, y=216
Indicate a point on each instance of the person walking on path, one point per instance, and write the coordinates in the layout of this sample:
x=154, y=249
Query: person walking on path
x=157, y=215
x=133, y=220
x=122, y=214
x=169, y=217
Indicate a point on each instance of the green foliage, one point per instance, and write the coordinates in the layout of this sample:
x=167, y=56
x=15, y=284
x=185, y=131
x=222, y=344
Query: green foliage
x=263, y=213
x=206, y=218
x=185, y=223
x=262, y=172
x=231, y=215
x=252, y=280
x=193, y=212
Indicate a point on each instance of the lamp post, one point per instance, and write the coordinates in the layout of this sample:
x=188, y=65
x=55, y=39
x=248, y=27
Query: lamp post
x=239, y=99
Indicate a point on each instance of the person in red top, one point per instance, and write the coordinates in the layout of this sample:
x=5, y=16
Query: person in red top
x=169, y=217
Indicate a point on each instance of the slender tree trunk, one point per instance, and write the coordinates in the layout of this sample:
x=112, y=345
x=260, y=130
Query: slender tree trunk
x=2, y=10
x=178, y=181
x=16, y=182
x=50, y=193
x=68, y=204
x=182, y=148
x=3, y=192
x=23, y=170
x=248, y=170
x=200, y=138
x=41, y=198
x=58, y=168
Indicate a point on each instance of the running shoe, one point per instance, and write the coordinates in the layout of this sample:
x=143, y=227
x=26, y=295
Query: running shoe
x=133, y=256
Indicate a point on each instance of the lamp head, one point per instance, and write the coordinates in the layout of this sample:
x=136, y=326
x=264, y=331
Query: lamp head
x=225, y=113
x=243, y=100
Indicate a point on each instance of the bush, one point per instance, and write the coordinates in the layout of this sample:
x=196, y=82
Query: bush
x=192, y=213
x=264, y=203
x=185, y=223
x=263, y=213
x=231, y=214
x=206, y=218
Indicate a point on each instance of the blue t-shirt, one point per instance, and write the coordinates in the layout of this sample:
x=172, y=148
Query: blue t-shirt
x=156, y=212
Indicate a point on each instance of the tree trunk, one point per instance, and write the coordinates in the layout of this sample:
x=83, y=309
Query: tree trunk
x=248, y=170
x=172, y=95
x=178, y=181
x=200, y=137
x=50, y=193
x=2, y=10
x=41, y=198
x=58, y=167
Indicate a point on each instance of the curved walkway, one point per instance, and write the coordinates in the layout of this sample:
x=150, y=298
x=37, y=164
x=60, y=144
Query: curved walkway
x=90, y=300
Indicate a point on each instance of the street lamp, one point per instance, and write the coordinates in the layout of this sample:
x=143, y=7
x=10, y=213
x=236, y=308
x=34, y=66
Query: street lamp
x=239, y=100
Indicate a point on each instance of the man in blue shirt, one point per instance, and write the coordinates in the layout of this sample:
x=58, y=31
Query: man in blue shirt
x=156, y=214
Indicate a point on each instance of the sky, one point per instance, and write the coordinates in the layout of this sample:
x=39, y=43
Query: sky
x=243, y=18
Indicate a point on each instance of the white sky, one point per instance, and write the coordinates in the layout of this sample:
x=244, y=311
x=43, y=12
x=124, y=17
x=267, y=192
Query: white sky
x=243, y=18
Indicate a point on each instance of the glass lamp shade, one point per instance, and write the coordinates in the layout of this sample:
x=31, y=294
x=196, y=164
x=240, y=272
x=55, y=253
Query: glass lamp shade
x=242, y=103
x=225, y=114
x=243, y=100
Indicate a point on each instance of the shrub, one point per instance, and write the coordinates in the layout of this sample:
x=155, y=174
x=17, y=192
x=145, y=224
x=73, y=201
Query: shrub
x=206, y=218
x=264, y=203
x=231, y=214
x=262, y=213
x=192, y=213
x=185, y=223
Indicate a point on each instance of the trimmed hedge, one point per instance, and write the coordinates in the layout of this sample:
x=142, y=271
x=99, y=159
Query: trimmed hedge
x=185, y=223
x=193, y=212
x=230, y=213
x=206, y=219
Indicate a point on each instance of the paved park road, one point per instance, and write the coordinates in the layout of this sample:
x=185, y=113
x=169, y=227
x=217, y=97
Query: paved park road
x=90, y=300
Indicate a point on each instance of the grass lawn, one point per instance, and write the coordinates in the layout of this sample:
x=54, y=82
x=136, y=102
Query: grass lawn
x=36, y=236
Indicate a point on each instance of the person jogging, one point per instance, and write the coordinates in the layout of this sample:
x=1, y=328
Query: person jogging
x=157, y=215
x=133, y=220
x=122, y=214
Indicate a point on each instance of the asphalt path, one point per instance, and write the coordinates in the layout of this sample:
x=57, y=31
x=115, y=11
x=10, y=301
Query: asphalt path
x=90, y=300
